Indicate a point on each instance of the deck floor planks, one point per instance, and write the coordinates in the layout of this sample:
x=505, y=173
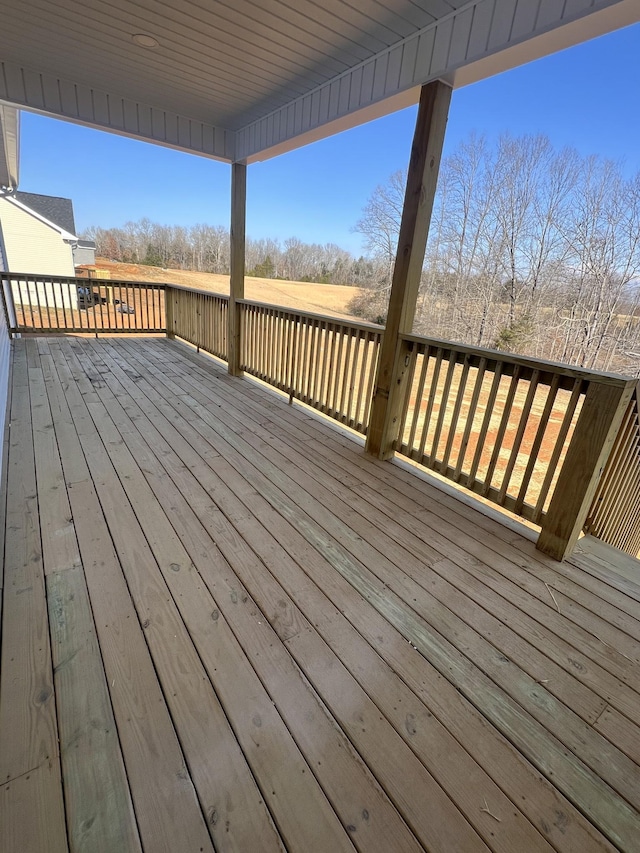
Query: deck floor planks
x=400, y=775
x=502, y=539
x=306, y=556
x=241, y=462
x=97, y=798
x=328, y=436
x=430, y=558
x=234, y=461
x=594, y=750
x=297, y=786
x=498, y=605
x=361, y=469
x=167, y=812
x=230, y=798
x=31, y=801
x=294, y=625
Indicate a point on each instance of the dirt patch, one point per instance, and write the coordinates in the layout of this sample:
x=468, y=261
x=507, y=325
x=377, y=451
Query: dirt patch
x=332, y=299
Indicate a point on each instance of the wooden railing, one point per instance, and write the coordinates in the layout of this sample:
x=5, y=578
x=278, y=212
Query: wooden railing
x=69, y=304
x=326, y=363
x=498, y=424
x=199, y=317
x=527, y=435
x=614, y=516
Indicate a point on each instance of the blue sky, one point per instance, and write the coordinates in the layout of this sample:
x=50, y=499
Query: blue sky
x=587, y=97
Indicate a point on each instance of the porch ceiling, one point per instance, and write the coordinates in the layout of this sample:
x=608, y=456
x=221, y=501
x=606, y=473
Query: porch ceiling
x=245, y=79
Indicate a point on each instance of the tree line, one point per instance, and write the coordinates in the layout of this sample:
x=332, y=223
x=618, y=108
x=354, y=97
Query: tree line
x=531, y=249
x=205, y=248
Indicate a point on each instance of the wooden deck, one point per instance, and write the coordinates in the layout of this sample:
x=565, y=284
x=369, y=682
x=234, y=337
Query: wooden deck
x=226, y=628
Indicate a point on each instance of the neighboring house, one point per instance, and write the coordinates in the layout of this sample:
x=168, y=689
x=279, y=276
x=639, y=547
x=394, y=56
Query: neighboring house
x=37, y=235
x=84, y=253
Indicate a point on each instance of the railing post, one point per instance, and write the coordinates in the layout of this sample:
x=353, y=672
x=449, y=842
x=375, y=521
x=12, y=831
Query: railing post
x=236, y=290
x=169, y=319
x=596, y=430
x=8, y=306
x=422, y=178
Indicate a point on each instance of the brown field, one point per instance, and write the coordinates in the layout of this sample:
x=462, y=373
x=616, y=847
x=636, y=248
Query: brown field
x=330, y=299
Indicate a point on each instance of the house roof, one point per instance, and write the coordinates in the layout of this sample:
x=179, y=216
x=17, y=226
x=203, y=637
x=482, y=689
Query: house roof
x=54, y=209
x=246, y=79
x=24, y=202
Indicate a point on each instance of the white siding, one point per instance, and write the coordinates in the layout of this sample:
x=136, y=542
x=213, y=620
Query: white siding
x=30, y=246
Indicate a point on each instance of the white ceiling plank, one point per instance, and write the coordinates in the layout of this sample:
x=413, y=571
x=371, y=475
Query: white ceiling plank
x=408, y=68
x=51, y=94
x=502, y=23
x=525, y=19
x=33, y=88
x=85, y=104
x=9, y=144
x=366, y=90
x=344, y=96
x=393, y=69
x=69, y=99
x=242, y=79
x=195, y=129
x=355, y=90
x=425, y=54
x=116, y=113
x=459, y=49
x=441, y=48
x=379, y=77
x=131, y=122
x=157, y=124
x=208, y=139
x=184, y=132
x=481, y=27
x=548, y=13
x=576, y=7
x=171, y=128
x=14, y=83
x=306, y=114
x=100, y=109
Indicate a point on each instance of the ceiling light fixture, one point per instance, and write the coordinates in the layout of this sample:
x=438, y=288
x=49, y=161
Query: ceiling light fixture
x=144, y=40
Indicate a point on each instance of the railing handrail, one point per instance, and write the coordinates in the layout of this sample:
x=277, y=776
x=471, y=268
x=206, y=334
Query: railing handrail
x=553, y=367
x=329, y=362
x=327, y=318
x=82, y=280
x=188, y=289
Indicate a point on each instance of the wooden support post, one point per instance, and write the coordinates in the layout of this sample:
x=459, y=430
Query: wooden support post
x=600, y=419
x=238, y=219
x=422, y=178
x=169, y=321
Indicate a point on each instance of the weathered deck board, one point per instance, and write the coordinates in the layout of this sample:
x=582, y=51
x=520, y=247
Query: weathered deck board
x=348, y=657
x=97, y=798
x=528, y=703
x=427, y=810
x=161, y=788
x=31, y=801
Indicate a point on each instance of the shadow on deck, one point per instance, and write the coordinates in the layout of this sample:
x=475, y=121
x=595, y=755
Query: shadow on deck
x=224, y=626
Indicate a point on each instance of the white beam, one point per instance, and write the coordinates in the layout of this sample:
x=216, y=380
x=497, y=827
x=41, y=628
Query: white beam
x=478, y=40
x=9, y=146
x=50, y=95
